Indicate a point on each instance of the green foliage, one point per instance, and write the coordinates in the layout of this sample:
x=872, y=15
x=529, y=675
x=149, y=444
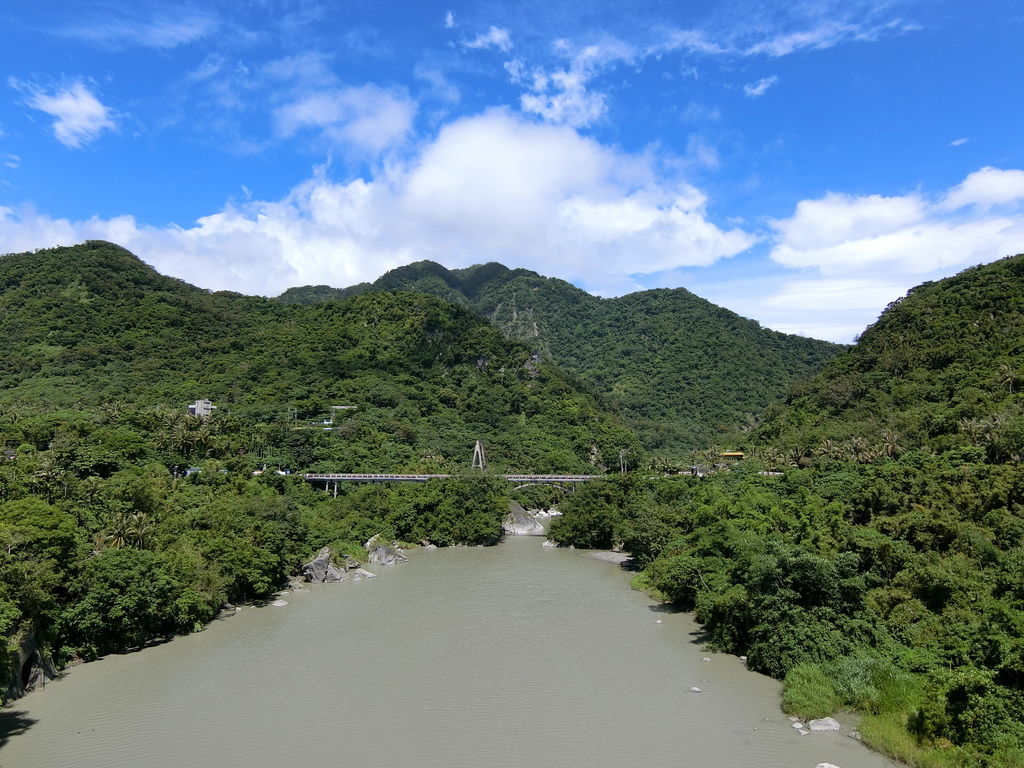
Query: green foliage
x=120, y=602
x=881, y=571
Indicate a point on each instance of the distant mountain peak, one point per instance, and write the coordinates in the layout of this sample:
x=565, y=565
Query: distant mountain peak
x=681, y=367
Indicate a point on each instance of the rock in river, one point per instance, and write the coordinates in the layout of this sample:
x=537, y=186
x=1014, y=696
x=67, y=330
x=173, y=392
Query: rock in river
x=384, y=554
x=321, y=569
x=824, y=724
x=519, y=522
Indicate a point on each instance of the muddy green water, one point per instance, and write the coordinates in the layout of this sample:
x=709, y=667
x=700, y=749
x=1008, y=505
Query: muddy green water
x=515, y=655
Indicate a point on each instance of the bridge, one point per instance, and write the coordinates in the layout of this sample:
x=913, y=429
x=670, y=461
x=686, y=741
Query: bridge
x=331, y=479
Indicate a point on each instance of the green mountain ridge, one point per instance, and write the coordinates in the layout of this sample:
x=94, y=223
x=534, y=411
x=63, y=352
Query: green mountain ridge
x=92, y=324
x=940, y=369
x=683, y=370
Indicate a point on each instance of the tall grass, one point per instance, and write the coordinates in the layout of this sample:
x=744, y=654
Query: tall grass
x=888, y=735
x=808, y=692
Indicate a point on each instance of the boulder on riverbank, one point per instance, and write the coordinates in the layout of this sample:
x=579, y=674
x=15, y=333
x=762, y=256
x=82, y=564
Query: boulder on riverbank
x=520, y=522
x=384, y=554
x=321, y=570
x=824, y=724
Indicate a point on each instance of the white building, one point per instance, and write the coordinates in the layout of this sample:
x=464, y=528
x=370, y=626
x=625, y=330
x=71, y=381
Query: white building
x=201, y=408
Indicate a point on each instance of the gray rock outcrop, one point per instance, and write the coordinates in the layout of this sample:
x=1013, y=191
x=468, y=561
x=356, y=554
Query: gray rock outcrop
x=384, y=554
x=321, y=570
x=519, y=522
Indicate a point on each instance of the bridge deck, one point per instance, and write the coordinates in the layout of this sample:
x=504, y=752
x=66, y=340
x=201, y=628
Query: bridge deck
x=366, y=477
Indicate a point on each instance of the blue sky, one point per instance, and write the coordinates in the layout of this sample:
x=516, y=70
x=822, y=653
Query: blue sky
x=803, y=163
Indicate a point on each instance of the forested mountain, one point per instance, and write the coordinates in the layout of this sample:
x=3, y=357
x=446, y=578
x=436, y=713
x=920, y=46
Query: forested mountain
x=882, y=569
x=682, y=369
x=941, y=369
x=122, y=517
x=93, y=325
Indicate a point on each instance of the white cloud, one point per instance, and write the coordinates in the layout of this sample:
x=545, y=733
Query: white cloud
x=959, y=142
x=985, y=188
x=490, y=187
x=824, y=27
x=449, y=20
x=563, y=96
x=856, y=254
x=12, y=161
x=843, y=235
x=690, y=40
x=309, y=68
x=700, y=113
x=836, y=295
x=80, y=117
x=567, y=95
x=495, y=37
x=367, y=117
x=701, y=154
x=439, y=85
x=569, y=102
x=121, y=31
x=781, y=29
x=753, y=90
x=838, y=218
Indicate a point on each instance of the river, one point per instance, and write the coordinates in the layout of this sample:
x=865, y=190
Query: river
x=507, y=656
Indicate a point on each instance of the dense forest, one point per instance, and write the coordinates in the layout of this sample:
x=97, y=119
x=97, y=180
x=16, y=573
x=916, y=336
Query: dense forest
x=683, y=371
x=871, y=552
x=123, y=517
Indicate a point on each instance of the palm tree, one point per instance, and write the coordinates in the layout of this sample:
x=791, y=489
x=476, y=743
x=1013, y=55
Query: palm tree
x=829, y=449
x=973, y=428
x=891, y=442
x=89, y=489
x=140, y=527
x=993, y=435
x=47, y=475
x=772, y=458
x=861, y=450
x=112, y=410
x=1007, y=376
x=120, y=534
